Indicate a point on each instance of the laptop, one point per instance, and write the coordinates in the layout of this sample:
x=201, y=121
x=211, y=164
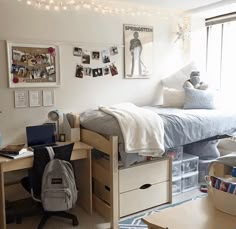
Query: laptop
x=41, y=136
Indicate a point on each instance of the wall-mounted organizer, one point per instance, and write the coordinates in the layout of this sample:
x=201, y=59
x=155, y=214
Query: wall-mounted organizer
x=71, y=127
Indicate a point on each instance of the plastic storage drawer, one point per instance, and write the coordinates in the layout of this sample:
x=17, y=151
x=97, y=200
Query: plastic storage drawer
x=203, y=169
x=175, y=153
x=176, y=168
x=176, y=185
x=189, y=181
x=189, y=163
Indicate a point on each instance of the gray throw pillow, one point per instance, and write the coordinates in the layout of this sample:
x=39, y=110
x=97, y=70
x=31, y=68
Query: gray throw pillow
x=199, y=99
x=204, y=150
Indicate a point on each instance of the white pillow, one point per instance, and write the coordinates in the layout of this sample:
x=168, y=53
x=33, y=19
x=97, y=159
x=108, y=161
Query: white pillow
x=177, y=79
x=173, y=97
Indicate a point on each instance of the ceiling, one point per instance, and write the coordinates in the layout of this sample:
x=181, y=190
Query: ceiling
x=174, y=4
x=204, y=8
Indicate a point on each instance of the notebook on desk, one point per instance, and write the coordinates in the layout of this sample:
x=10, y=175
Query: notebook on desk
x=41, y=136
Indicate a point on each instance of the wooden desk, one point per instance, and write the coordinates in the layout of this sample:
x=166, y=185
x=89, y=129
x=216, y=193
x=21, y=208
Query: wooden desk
x=196, y=214
x=81, y=152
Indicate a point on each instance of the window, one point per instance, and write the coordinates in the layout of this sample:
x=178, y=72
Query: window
x=221, y=57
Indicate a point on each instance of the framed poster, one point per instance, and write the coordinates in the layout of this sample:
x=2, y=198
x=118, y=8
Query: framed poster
x=138, y=51
x=35, y=98
x=33, y=65
x=48, y=98
x=21, y=98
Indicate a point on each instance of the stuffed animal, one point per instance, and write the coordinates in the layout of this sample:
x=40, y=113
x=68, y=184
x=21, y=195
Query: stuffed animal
x=195, y=82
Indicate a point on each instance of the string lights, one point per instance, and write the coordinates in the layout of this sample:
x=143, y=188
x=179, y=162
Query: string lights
x=104, y=7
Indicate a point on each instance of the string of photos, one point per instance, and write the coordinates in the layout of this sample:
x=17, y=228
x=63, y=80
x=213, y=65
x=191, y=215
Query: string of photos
x=96, y=63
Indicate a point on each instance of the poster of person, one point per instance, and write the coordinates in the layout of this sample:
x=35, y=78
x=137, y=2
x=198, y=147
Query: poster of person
x=33, y=65
x=138, y=51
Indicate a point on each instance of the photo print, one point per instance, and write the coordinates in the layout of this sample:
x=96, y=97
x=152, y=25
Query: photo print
x=88, y=71
x=39, y=74
x=77, y=51
x=16, y=55
x=79, y=71
x=113, y=70
x=97, y=72
x=23, y=58
x=113, y=50
x=106, y=71
x=95, y=55
x=138, y=51
x=50, y=70
x=21, y=71
x=31, y=61
x=14, y=68
x=86, y=57
x=105, y=56
x=40, y=59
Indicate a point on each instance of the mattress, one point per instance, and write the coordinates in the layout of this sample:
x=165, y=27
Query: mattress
x=181, y=126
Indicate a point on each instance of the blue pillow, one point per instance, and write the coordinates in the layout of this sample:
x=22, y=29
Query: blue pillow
x=199, y=99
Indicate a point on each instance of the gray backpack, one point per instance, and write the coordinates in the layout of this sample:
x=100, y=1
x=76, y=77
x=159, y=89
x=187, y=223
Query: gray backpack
x=59, y=191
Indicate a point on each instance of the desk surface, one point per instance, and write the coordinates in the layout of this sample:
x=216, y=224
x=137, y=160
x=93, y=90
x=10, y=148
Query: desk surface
x=77, y=146
x=8, y=164
x=196, y=214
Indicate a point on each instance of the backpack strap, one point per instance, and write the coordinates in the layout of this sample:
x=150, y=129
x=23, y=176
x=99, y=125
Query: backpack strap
x=50, y=152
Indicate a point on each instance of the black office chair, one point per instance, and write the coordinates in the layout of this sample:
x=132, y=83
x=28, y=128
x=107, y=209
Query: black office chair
x=34, y=181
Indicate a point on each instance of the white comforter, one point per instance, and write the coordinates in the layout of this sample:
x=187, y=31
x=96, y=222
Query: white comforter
x=142, y=129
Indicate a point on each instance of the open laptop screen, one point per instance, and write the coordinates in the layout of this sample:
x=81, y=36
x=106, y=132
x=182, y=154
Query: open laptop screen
x=41, y=135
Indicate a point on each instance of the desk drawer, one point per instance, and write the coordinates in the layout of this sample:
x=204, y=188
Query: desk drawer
x=141, y=199
x=148, y=173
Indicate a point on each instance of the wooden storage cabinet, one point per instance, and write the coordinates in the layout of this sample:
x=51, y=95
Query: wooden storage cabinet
x=141, y=186
x=152, y=172
x=144, y=186
x=140, y=199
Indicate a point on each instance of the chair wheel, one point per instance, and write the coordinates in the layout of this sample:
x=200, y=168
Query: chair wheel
x=75, y=222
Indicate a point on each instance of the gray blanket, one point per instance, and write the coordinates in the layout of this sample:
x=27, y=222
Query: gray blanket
x=181, y=126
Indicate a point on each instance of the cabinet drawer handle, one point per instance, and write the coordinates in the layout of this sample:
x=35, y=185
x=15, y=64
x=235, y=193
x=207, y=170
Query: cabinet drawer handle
x=145, y=186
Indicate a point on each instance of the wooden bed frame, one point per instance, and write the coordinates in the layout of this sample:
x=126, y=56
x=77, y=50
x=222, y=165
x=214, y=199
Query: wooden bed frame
x=108, y=174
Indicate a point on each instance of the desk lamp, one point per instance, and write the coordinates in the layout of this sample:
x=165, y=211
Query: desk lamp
x=54, y=116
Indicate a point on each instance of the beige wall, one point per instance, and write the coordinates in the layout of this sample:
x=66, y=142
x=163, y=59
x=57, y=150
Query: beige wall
x=198, y=41
x=18, y=22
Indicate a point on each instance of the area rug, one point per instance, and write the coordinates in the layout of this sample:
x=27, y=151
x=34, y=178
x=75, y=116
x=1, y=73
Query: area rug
x=135, y=221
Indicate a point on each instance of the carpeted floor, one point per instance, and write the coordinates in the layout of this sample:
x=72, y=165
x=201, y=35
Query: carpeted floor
x=135, y=221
